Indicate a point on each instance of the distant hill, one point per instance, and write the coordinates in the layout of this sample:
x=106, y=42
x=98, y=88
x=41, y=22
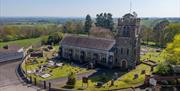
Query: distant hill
x=59, y=20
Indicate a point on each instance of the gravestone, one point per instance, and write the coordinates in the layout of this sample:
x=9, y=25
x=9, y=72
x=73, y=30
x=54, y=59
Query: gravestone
x=143, y=71
x=136, y=76
x=85, y=79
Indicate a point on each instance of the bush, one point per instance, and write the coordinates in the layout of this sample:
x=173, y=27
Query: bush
x=71, y=81
x=44, y=40
x=164, y=69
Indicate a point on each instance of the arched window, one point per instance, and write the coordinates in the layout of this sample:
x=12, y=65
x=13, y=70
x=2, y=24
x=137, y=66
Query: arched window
x=124, y=64
x=127, y=51
x=126, y=31
x=121, y=50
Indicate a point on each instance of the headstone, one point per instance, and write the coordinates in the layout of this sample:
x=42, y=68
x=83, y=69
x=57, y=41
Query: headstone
x=85, y=80
x=49, y=86
x=35, y=82
x=152, y=81
x=44, y=84
x=30, y=79
x=116, y=75
x=135, y=76
x=152, y=68
x=143, y=71
x=112, y=82
x=91, y=65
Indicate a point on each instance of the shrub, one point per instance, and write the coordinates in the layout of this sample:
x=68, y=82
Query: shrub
x=71, y=80
x=164, y=69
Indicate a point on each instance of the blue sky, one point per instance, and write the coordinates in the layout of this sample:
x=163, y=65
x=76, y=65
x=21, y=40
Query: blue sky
x=79, y=8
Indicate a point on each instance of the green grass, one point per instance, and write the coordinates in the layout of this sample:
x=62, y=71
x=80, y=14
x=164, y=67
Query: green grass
x=22, y=43
x=152, y=54
x=57, y=72
x=124, y=81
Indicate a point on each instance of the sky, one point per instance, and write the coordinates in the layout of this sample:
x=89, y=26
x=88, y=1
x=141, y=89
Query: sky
x=80, y=8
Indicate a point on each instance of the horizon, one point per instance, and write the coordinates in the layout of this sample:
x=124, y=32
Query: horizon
x=80, y=8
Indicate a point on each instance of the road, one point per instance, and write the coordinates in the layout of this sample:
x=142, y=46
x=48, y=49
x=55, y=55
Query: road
x=9, y=80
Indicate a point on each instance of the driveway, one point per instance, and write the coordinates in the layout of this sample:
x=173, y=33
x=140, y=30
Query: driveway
x=9, y=80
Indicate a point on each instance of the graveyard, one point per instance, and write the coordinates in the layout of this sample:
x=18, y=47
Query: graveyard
x=48, y=68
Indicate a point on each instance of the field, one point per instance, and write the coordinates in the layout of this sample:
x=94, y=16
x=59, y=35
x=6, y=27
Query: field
x=22, y=43
x=153, y=22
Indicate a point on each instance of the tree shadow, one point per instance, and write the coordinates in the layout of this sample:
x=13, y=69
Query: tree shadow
x=104, y=74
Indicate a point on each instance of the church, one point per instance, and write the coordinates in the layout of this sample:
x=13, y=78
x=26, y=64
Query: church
x=123, y=51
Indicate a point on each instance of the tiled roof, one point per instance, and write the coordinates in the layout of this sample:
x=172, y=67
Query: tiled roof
x=88, y=42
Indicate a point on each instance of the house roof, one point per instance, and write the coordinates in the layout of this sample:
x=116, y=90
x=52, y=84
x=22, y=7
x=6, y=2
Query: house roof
x=88, y=42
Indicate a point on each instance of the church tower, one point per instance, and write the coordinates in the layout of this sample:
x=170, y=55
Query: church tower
x=127, y=53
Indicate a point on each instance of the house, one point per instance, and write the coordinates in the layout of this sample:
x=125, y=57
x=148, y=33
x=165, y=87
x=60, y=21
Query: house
x=11, y=52
x=123, y=51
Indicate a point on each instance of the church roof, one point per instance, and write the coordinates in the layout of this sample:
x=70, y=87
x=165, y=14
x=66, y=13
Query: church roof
x=88, y=42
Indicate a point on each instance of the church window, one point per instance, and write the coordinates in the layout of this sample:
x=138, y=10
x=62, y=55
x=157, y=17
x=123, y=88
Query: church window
x=127, y=51
x=126, y=31
x=116, y=60
x=121, y=50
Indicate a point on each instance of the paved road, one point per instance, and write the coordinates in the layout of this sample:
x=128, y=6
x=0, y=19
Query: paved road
x=8, y=74
x=9, y=80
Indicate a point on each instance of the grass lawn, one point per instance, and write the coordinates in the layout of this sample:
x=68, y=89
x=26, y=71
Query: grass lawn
x=152, y=54
x=22, y=43
x=125, y=80
x=57, y=72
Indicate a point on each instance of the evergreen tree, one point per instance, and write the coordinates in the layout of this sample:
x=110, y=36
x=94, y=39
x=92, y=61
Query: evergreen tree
x=104, y=20
x=88, y=23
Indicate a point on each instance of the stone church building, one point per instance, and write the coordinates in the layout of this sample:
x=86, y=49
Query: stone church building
x=123, y=51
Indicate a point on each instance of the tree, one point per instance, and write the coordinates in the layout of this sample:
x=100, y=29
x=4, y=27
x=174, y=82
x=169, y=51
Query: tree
x=44, y=40
x=54, y=38
x=78, y=27
x=68, y=27
x=159, y=31
x=88, y=23
x=110, y=23
x=146, y=34
x=71, y=80
x=164, y=69
x=173, y=51
x=170, y=32
x=104, y=20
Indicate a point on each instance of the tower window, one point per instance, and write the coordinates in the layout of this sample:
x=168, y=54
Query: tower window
x=121, y=50
x=127, y=51
x=126, y=31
